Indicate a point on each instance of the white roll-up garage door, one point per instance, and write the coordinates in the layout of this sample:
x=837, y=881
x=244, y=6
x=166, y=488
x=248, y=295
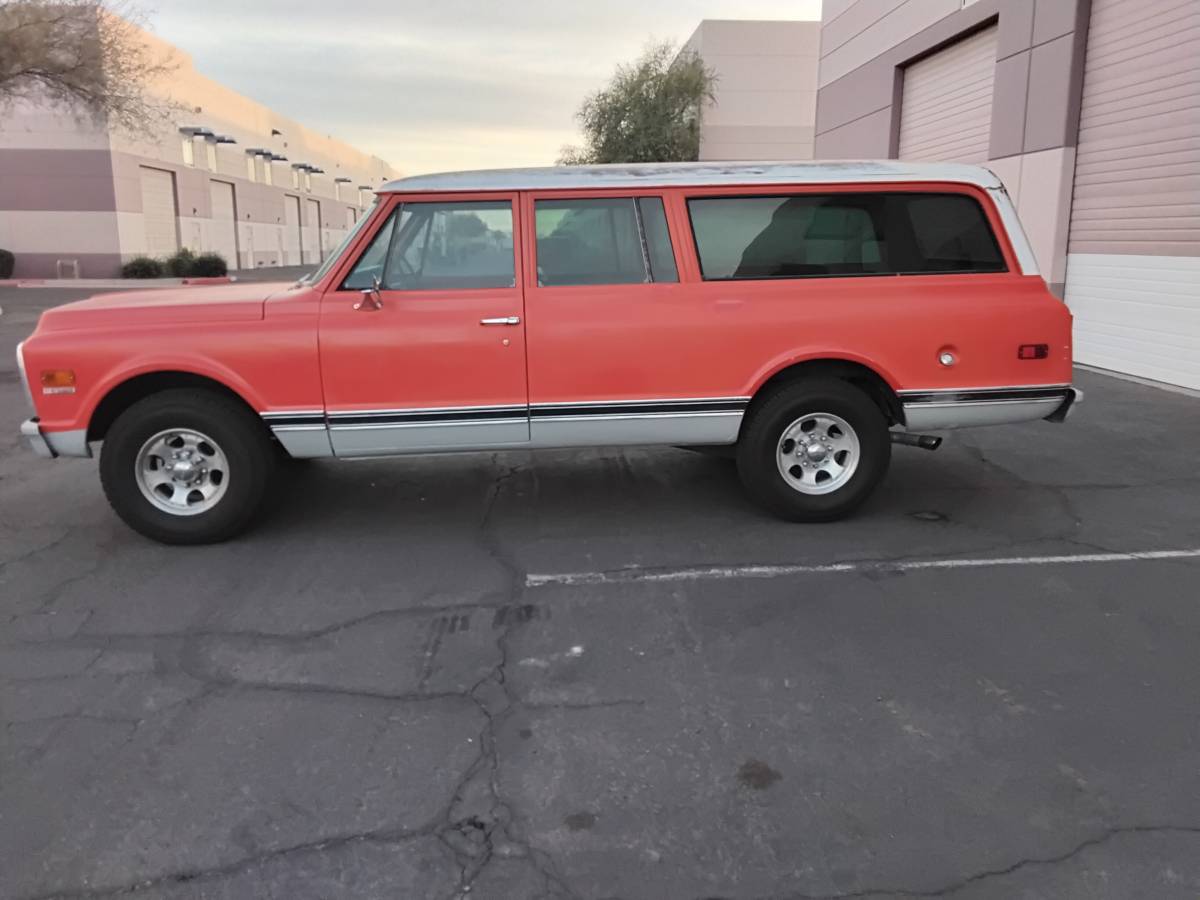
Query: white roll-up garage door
x=946, y=102
x=159, y=212
x=1133, y=261
x=312, y=231
x=293, y=233
x=224, y=221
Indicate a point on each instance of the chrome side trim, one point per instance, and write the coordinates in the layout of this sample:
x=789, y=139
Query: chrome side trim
x=971, y=390
x=636, y=430
x=302, y=433
x=394, y=432
x=304, y=441
x=430, y=437
x=656, y=401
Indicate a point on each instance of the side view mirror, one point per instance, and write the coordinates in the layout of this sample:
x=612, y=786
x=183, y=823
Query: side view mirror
x=370, y=300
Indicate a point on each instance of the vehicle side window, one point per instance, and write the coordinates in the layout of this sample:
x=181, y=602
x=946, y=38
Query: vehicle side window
x=952, y=235
x=452, y=246
x=440, y=246
x=370, y=264
x=831, y=235
x=603, y=241
x=658, y=239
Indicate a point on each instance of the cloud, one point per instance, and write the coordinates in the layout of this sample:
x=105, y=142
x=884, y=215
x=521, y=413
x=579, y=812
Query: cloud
x=436, y=84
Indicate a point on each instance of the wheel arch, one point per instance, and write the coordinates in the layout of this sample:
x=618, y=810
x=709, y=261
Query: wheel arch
x=123, y=395
x=857, y=372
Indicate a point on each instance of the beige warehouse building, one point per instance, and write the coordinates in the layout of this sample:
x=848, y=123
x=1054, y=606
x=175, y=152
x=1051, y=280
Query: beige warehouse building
x=765, y=100
x=220, y=173
x=1089, y=110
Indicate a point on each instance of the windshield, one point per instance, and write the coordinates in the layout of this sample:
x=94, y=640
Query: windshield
x=337, y=251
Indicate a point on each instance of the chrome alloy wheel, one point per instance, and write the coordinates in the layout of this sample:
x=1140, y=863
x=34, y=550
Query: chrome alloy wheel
x=818, y=453
x=182, y=472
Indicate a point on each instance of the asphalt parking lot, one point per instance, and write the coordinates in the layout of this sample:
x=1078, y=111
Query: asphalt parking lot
x=606, y=675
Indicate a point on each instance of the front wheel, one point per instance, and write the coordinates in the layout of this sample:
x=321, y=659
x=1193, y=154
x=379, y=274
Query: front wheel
x=187, y=466
x=814, y=450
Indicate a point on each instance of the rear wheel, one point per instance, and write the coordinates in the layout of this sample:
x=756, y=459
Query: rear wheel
x=187, y=466
x=814, y=450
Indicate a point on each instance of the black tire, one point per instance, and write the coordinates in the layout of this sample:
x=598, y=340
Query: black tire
x=240, y=435
x=765, y=426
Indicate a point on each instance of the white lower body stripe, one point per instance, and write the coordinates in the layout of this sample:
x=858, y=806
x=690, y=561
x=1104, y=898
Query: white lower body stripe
x=716, y=573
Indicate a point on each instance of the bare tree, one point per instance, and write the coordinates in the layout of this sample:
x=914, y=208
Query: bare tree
x=87, y=56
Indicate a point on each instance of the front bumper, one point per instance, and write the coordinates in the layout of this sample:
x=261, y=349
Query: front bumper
x=31, y=434
x=52, y=444
x=1074, y=396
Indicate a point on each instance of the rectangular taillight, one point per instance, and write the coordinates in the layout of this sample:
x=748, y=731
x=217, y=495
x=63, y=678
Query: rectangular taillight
x=1033, y=351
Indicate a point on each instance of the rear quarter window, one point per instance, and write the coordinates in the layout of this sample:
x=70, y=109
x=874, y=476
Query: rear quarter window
x=844, y=234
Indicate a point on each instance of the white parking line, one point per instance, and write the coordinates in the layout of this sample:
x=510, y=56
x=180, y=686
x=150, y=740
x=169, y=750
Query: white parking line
x=715, y=573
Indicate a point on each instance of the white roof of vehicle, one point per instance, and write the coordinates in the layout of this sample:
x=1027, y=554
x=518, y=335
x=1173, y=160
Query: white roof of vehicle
x=651, y=175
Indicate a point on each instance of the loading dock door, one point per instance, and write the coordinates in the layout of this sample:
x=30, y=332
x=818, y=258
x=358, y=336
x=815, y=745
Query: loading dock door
x=946, y=102
x=159, y=211
x=312, y=232
x=224, y=221
x=292, y=232
x=1133, y=260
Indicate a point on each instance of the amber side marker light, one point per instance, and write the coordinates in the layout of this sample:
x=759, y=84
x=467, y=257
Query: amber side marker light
x=58, y=381
x=1033, y=351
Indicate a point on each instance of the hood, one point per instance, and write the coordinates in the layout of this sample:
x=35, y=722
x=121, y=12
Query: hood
x=176, y=305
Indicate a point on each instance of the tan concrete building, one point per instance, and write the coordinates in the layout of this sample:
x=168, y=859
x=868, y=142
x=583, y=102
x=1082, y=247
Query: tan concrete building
x=766, y=92
x=1089, y=110
x=220, y=173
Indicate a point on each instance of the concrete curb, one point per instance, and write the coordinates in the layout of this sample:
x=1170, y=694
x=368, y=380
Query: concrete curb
x=84, y=284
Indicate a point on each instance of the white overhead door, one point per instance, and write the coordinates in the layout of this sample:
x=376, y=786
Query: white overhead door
x=292, y=232
x=159, y=212
x=1133, y=261
x=224, y=222
x=312, y=232
x=946, y=102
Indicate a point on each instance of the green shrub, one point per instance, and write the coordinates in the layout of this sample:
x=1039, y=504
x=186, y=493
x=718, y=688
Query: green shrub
x=209, y=265
x=180, y=264
x=142, y=267
x=7, y=261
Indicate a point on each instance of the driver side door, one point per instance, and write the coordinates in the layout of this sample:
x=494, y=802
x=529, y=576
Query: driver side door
x=435, y=359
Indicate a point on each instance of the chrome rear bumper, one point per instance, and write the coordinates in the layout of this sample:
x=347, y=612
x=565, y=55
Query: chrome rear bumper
x=31, y=434
x=941, y=409
x=1074, y=395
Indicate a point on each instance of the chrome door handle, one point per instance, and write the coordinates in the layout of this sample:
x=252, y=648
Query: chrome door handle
x=502, y=320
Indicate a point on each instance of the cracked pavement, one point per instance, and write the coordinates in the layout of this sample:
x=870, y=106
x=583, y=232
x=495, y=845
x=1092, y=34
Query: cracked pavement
x=365, y=697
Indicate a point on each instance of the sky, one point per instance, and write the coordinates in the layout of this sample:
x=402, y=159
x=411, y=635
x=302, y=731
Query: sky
x=436, y=85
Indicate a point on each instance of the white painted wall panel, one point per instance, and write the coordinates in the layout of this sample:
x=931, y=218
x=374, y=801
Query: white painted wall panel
x=897, y=23
x=1137, y=314
x=63, y=232
x=946, y=105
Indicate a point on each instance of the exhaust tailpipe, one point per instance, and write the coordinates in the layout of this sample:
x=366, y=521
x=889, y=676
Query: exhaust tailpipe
x=924, y=441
